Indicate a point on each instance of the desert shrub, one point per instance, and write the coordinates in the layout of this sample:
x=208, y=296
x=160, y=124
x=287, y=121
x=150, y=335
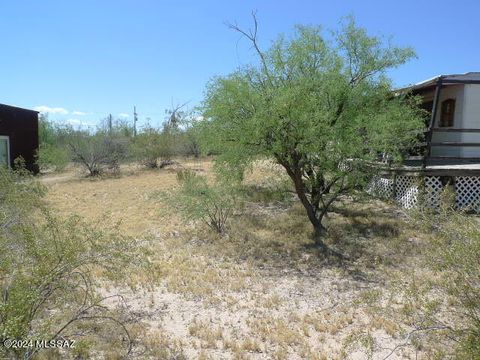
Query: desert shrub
x=52, y=157
x=98, y=153
x=213, y=204
x=188, y=142
x=453, y=253
x=119, y=128
x=192, y=142
x=153, y=148
x=20, y=194
x=52, y=153
x=47, y=265
x=46, y=130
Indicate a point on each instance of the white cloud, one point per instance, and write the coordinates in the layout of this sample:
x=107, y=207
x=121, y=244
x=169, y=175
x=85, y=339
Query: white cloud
x=51, y=110
x=79, y=113
x=78, y=123
x=123, y=115
x=73, y=122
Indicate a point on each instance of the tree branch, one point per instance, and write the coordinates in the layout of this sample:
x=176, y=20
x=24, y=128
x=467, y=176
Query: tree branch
x=252, y=36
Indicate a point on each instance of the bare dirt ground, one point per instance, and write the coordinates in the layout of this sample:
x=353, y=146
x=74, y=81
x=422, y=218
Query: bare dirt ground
x=263, y=291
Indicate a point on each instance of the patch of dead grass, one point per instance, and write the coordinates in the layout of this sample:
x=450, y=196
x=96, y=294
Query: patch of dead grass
x=125, y=198
x=265, y=284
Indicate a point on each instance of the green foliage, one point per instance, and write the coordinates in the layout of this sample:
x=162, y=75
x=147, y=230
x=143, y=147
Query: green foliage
x=118, y=128
x=52, y=157
x=52, y=152
x=19, y=196
x=99, y=152
x=178, y=135
x=191, y=141
x=47, y=267
x=199, y=200
x=46, y=130
x=457, y=255
x=454, y=254
x=102, y=150
x=322, y=110
x=153, y=148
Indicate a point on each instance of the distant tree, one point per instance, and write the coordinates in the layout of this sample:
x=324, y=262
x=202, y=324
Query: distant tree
x=52, y=157
x=52, y=154
x=46, y=130
x=153, y=148
x=188, y=137
x=192, y=140
x=116, y=127
x=175, y=117
x=322, y=110
x=97, y=153
x=173, y=128
x=156, y=147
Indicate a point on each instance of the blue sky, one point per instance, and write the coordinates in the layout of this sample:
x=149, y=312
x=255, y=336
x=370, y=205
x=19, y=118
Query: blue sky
x=86, y=59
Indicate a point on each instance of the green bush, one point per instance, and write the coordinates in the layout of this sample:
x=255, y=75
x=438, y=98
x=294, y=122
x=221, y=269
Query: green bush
x=53, y=153
x=51, y=157
x=19, y=196
x=153, y=148
x=98, y=153
x=211, y=204
x=47, y=265
x=189, y=142
x=454, y=255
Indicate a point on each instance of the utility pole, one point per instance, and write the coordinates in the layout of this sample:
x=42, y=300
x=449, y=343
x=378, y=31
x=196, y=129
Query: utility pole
x=135, y=119
x=110, y=123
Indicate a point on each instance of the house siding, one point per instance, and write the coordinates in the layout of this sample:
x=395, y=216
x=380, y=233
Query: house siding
x=467, y=116
x=21, y=126
x=471, y=119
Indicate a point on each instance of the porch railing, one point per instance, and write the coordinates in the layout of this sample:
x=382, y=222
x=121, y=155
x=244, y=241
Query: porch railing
x=425, y=147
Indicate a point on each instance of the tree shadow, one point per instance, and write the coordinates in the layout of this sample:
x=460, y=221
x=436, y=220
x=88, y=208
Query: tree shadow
x=283, y=240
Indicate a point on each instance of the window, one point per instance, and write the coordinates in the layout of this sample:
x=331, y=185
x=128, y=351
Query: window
x=447, y=113
x=4, y=151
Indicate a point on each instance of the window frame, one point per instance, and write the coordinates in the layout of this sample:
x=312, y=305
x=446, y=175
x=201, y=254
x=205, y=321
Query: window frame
x=5, y=137
x=450, y=121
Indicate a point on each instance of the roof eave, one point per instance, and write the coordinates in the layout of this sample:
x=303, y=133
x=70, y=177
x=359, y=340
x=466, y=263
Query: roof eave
x=19, y=108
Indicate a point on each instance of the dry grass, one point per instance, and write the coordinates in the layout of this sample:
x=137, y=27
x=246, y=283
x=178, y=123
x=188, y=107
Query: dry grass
x=263, y=291
x=125, y=198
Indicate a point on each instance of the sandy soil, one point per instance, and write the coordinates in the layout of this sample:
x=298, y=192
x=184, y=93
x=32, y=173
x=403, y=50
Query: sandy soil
x=228, y=299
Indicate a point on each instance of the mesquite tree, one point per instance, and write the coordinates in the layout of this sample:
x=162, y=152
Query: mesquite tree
x=98, y=152
x=322, y=109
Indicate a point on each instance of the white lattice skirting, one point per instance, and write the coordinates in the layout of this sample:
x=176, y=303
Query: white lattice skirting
x=405, y=190
x=380, y=187
x=467, y=190
x=433, y=189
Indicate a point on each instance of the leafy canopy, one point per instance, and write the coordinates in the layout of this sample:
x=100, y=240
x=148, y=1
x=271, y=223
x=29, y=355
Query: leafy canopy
x=313, y=105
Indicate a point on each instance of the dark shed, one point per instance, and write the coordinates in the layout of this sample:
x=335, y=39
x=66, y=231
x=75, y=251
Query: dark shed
x=18, y=136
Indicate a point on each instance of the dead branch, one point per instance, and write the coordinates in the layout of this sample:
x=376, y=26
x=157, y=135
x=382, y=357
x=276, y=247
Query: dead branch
x=251, y=35
x=406, y=341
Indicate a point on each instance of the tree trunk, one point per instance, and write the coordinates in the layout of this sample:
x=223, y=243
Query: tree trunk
x=312, y=211
x=318, y=228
